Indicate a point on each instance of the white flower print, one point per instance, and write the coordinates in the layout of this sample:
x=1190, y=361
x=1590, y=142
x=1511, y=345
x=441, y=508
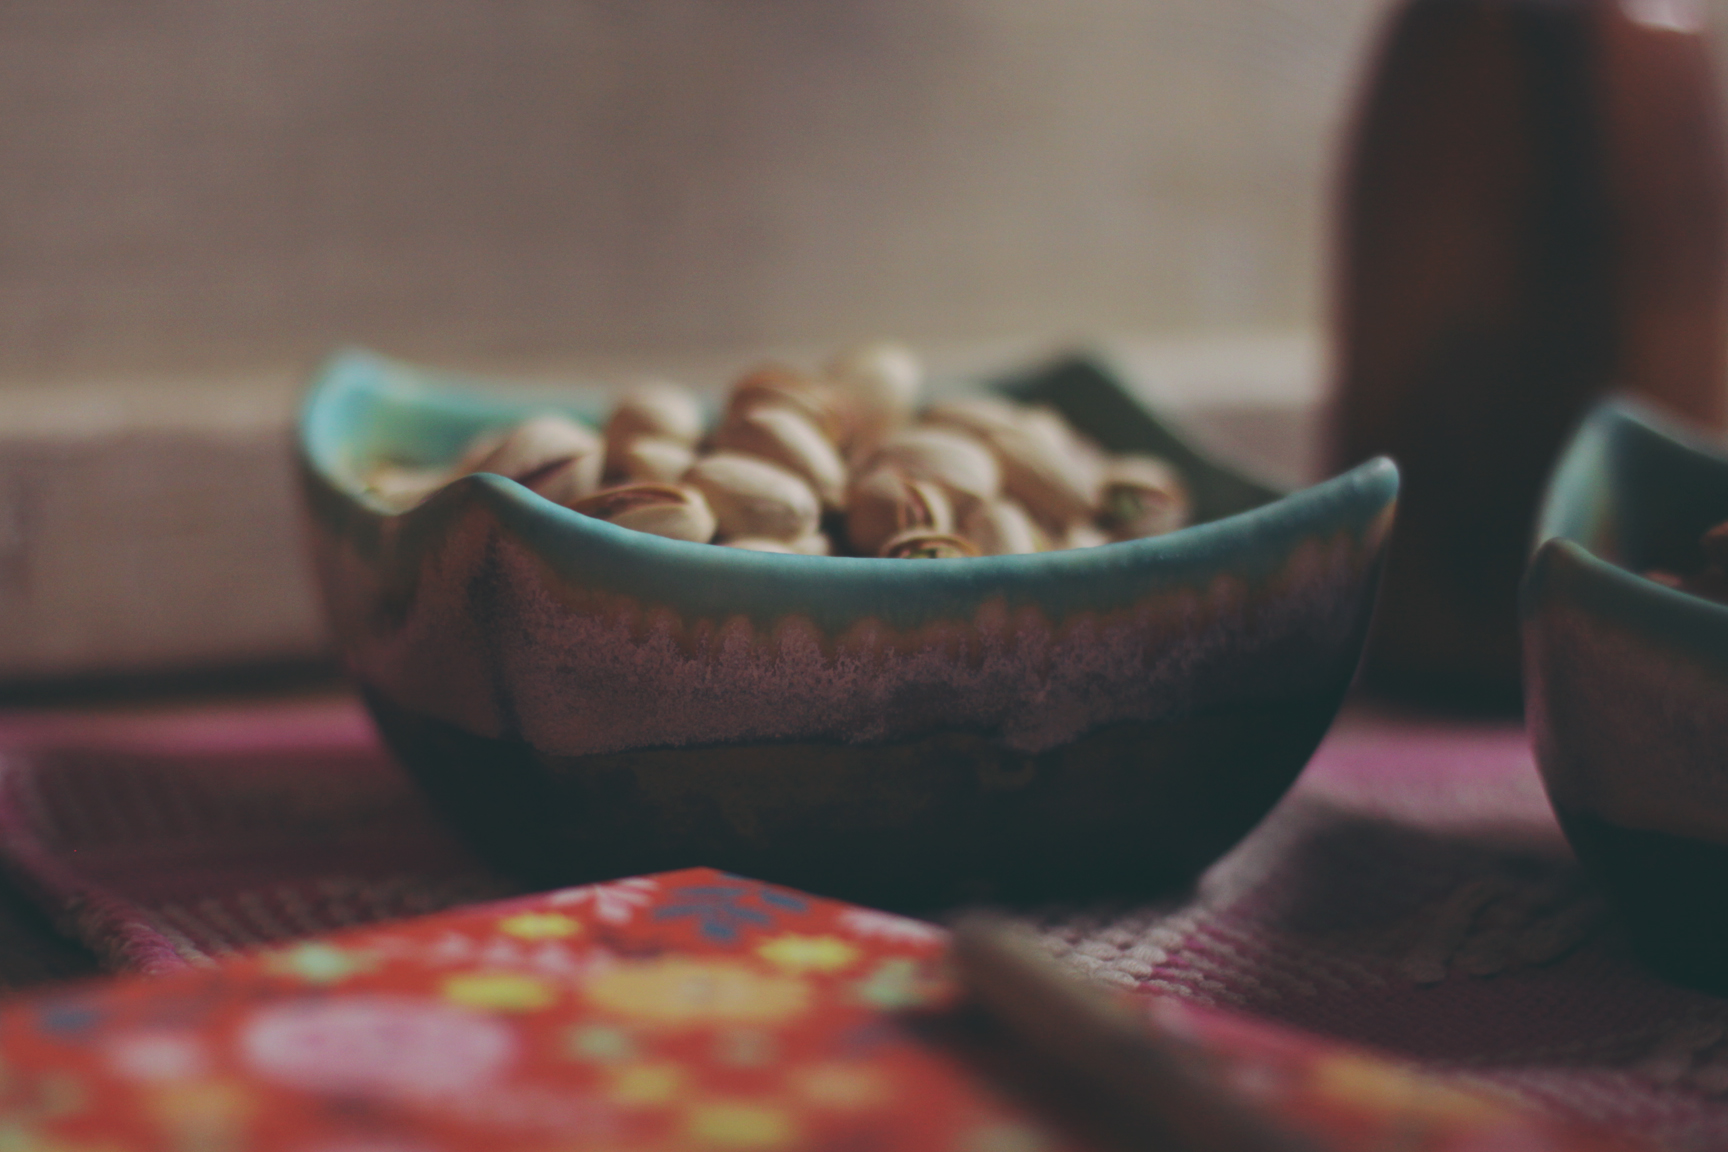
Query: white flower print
x=874, y=925
x=613, y=903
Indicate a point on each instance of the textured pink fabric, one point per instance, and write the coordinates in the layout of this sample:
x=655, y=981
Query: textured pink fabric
x=161, y=840
x=1412, y=893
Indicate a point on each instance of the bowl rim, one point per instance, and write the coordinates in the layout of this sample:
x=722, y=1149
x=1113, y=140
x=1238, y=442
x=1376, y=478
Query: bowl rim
x=1562, y=564
x=575, y=542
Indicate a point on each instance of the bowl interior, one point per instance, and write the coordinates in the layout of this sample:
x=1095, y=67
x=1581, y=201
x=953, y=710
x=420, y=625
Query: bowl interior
x=1637, y=489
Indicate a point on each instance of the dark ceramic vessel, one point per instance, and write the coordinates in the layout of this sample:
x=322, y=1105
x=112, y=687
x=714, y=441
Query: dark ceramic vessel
x=1626, y=680
x=589, y=702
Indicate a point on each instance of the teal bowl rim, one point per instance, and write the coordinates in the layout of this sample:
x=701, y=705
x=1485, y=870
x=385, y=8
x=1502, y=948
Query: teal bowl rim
x=1580, y=493
x=714, y=582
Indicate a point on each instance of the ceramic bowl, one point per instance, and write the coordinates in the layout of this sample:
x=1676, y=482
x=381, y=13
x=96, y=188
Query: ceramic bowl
x=587, y=702
x=1626, y=680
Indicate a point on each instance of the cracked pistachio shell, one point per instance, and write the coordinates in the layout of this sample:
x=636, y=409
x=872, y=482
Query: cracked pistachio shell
x=671, y=510
x=780, y=386
x=653, y=408
x=651, y=459
x=920, y=544
x=951, y=458
x=789, y=439
x=879, y=384
x=885, y=502
x=541, y=448
x=752, y=497
x=1142, y=496
x=1001, y=528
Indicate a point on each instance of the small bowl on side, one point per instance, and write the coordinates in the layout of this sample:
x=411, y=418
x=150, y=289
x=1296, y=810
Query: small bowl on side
x=588, y=702
x=1626, y=680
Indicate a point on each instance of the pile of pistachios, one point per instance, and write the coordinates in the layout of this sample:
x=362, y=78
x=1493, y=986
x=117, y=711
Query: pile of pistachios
x=840, y=461
x=1709, y=580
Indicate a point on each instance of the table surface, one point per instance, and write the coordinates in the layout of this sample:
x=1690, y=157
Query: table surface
x=1411, y=894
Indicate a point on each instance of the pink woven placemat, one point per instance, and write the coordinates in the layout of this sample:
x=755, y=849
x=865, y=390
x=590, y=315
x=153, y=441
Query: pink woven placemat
x=160, y=840
x=1412, y=893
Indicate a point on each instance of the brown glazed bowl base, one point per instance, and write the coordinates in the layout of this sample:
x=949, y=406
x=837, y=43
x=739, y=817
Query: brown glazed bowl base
x=1128, y=810
x=1670, y=891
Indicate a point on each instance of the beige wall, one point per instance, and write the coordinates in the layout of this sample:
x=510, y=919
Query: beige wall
x=204, y=184
x=207, y=183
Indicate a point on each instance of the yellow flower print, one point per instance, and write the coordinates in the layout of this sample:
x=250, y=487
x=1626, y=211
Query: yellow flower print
x=898, y=982
x=639, y=1084
x=795, y=953
x=843, y=1086
x=207, y=1113
x=678, y=990
x=539, y=926
x=22, y=1136
x=1008, y=1136
x=499, y=991
x=1376, y=1086
x=741, y=1125
x=319, y=963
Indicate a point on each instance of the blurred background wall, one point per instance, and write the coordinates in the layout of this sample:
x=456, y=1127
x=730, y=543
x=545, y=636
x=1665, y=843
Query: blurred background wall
x=200, y=197
x=201, y=184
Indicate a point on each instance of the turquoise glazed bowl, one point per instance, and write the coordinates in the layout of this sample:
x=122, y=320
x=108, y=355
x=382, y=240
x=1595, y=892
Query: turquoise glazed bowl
x=588, y=702
x=1626, y=680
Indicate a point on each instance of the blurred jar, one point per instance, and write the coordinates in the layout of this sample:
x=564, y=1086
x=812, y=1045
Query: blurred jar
x=1533, y=212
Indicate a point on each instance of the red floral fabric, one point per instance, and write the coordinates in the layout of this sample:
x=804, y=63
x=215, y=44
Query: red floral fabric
x=687, y=1010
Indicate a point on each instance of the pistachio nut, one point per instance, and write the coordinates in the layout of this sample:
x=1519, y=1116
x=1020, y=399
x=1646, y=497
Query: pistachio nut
x=401, y=486
x=566, y=480
x=654, y=459
x=1001, y=528
x=879, y=385
x=653, y=408
x=953, y=459
x=1053, y=483
x=921, y=544
x=979, y=415
x=780, y=386
x=1084, y=534
x=752, y=497
x=672, y=510
x=540, y=447
x=1047, y=422
x=885, y=502
x=1142, y=496
x=787, y=438
x=815, y=544
x=759, y=544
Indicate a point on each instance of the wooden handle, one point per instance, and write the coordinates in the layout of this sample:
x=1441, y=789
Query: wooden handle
x=1144, y=1092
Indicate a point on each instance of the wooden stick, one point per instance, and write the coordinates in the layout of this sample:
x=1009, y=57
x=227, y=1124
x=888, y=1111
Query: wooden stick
x=1147, y=1093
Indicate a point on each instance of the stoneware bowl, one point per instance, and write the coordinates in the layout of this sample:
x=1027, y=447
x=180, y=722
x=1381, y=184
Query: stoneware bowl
x=588, y=702
x=1626, y=681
